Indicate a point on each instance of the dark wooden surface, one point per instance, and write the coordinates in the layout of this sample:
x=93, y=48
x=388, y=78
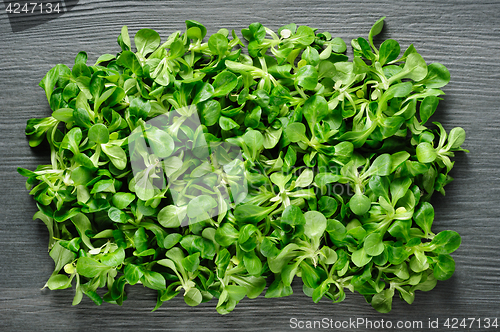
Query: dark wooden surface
x=462, y=35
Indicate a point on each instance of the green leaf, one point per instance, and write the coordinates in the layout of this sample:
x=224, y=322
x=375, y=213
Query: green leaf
x=153, y=280
x=202, y=92
x=310, y=275
x=315, y=109
x=400, y=229
x=446, y=242
x=161, y=143
x=382, y=302
x=116, y=154
x=195, y=243
x=49, y=222
x=171, y=216
x=360, y=67
x=90, y=268
x=307, y=77
x=200, y=206
x=96, y=84
x=427, y=108
x=140, y=240
x=146, y=41
x=415, y=67
x=61, y=256
x=437, y=76
x=381, y=166
x=249, y=213
x=398, y=90
x=376, y=29
x=192, y=23
x=296, y=132
x=252, y=263
x=226, y=235
x=72, y=139
x=252, y=119
x=380, y=186
x=254, y=285
x=373, y=244
x=426, y=153
x=227, y=123
x=121, y=199
x=63, y=114
x=218, y=44
x=278, y=289
x=129, y=60
x=419, y=262
x=305, y=178
x=139, y=108
x=290, y=159
x=390, y=126
x=58, y=281
x=114, y=258
x=272, y=137
x=49, y=81
x=360, y=258
x=191, y=262
x=124, y=39
x=99, y=133
x=83, y=224
x=224, y=83
x=359, y=204
x=364, y=47
x=444, y=267
x=171, y=240
x=237, y=293
x=398, y=158
x=389, y=51
x=254, y=140
x=210, y=112
x=280, y=179
x=397, y=254
x=304, y=36
x=311, y=55
x=293, y=216
x=193, y=297
x=322, y=179
x=117, y=215
x=328, y=206
x=315, y=224
x=107, y=185
x=132, y=273
x=82, y=118
x=399, y=187
x=277, y=263
x=329, y=256
x=456, y=138
x=104, y=58
x=424, y=217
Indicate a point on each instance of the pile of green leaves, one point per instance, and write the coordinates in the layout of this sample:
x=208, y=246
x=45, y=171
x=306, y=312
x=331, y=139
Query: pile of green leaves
x=338, y=158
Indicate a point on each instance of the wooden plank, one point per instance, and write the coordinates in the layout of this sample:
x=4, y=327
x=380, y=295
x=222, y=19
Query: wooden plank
x=462, y=35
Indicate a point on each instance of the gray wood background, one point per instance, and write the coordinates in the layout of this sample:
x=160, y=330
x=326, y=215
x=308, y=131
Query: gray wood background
x=462, y=35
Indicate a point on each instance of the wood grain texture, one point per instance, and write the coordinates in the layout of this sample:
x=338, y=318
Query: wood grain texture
x=462, y=35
